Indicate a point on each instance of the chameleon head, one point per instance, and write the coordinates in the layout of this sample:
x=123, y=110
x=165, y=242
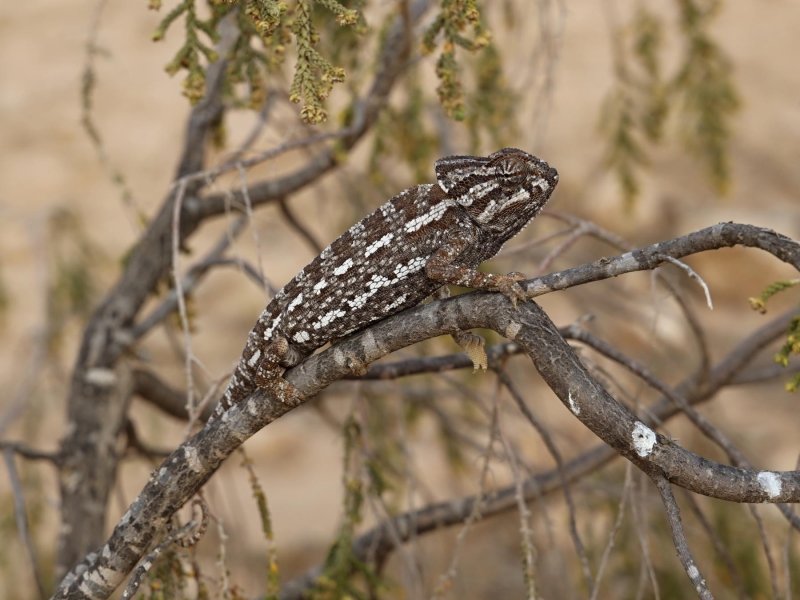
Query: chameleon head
x=501, y=192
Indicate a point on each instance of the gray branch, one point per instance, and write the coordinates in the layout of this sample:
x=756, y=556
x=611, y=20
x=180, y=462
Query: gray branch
x=194, y=462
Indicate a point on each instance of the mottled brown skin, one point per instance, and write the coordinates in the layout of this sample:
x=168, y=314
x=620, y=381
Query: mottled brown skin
x=426, y=237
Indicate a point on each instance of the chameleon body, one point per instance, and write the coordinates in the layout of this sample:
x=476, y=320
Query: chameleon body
x=420, y=241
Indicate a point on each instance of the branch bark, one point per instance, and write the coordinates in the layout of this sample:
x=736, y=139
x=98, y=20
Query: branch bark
x=191, y=465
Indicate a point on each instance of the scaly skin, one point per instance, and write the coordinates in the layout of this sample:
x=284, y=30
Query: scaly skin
x=425, y=238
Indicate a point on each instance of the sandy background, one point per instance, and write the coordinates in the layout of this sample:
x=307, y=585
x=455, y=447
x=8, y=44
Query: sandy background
x=47, y=163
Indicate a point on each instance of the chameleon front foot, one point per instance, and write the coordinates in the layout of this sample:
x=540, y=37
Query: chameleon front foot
x=509, y=287
x=473, y=345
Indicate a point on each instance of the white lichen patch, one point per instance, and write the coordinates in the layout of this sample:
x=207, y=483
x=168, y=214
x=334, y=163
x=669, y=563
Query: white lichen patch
x=371, y=348
x=644, y=439
x=576, y=410
x=771, y=483
x=192, y=460
x=512, y=330
x=101, y=377
x=693, y=572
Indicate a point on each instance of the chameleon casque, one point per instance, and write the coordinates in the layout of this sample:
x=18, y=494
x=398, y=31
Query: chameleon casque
x=416, y=244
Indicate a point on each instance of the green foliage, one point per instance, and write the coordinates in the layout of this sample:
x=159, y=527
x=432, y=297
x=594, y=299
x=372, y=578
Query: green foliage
x=792, y=344
x=336, y=580
x=314, y=76
x=634, y=111
x=704, y=87
x=491, y=107
x=188, y=57
x=453, y=19
x=167, y=579
x=273, y=572
x=413, y=143
x=760, y=303
x=73, y=288
x=736, y=533
x=701, y=93
x=266, y=21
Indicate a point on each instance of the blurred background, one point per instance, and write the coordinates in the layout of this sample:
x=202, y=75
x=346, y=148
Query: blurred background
x=660, y=120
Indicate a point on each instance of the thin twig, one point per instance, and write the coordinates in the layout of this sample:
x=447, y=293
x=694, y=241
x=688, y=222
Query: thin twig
x=773, y=568
x=615, y=241
x=179, y=536
x=525, y=246
x=556, y=454
x=563, y=247
x=626, y=488
x=522, y=506
x=637, y=508
x=445, y=581
x=187, y=336
x=22, y=518
x=679, y=539
x=190, y=281
x=693, y=275
x=719, y=545
x=251, y=219
x=301, y=229
x=30, y=453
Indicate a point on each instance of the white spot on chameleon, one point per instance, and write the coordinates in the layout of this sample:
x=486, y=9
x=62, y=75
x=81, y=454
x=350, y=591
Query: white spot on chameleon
x=328, y=317
x=397, y=302
x=377, y=282
x=374, y=246
x=254, y=359
x=301, y=336
x=320, y=285
x=488, y=212
x=416, y=264
x=268, y=331
x=361, y=299
x=342, y=269
x=433, y=214
x=521, y=195
x=770, y=482
x=293, y=304
x=643, y=439
x=476, y=192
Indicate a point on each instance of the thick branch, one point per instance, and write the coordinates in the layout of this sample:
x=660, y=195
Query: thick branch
x=190, y=466
x=378, y=543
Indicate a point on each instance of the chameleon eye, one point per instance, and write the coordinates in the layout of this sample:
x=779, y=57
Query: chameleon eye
x=511, y=170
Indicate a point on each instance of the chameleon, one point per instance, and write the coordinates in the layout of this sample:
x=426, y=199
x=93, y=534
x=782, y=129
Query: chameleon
x=414, y=246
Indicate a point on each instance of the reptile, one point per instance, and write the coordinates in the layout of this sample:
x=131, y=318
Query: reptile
x=417, y=244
